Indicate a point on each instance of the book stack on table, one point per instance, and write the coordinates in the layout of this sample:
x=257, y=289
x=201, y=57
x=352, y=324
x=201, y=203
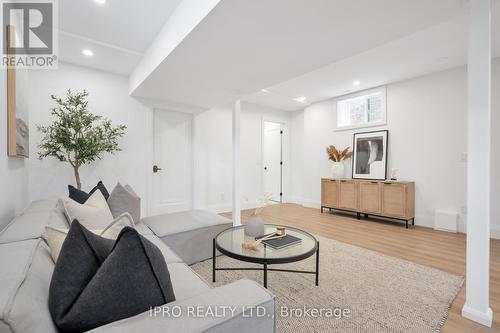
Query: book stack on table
x=282, y=242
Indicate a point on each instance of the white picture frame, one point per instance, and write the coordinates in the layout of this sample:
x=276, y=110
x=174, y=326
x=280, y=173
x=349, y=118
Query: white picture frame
x=370, y=155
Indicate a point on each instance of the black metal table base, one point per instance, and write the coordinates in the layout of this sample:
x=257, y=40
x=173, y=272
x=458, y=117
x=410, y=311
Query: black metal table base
x=264, y=267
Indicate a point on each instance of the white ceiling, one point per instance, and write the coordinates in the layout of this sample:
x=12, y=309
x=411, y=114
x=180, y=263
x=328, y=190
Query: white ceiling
x=292, y=48
x=118, y=32
x=243, y=46
x=437, y=48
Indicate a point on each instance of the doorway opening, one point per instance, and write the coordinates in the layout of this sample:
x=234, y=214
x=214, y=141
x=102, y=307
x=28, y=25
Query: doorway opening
x=272, y=146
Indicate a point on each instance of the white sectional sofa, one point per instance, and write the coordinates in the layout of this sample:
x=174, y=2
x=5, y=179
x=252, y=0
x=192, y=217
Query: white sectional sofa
x=27, y=266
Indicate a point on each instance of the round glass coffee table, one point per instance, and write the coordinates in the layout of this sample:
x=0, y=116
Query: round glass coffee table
x=229, y=241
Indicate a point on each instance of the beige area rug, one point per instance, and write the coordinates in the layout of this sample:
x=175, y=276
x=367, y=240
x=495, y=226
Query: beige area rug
x=382, y=293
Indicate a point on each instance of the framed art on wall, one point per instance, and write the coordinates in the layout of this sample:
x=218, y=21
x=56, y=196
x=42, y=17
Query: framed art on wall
x=17, y=108
x=370, y=155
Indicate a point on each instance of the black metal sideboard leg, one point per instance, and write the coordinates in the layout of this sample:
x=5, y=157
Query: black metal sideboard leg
x=317, y=263
x=406, y=224
x=213, y=260
x=265, y=275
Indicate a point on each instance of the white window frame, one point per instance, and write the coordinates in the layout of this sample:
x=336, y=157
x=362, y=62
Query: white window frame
x=383, y=122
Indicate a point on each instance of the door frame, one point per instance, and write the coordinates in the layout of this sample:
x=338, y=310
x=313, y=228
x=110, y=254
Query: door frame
x=282, y=171
x=150, y=194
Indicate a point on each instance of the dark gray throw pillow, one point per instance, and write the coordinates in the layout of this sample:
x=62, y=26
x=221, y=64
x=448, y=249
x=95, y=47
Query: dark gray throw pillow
x=97, y=281
x=82, y=196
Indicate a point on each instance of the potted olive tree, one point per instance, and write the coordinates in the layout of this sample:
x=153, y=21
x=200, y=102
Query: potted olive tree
x=77, y=136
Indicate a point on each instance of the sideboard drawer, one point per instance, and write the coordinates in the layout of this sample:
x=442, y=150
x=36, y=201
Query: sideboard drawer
x=348, y=198
x=329, y=193
x=394, y=199
x=370, y=198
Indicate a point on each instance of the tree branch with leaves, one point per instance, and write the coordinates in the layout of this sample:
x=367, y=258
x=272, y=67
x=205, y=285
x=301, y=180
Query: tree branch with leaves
x=77, y=136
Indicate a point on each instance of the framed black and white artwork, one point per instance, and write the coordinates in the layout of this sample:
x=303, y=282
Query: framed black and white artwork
x=370, y=155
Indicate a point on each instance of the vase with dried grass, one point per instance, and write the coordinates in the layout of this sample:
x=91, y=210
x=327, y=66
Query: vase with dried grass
x=254, y=226
x=338, y=157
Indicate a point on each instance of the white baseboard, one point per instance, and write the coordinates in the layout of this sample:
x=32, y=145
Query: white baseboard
x=420, y=220
x=424, y=220
x=483, y=318
x=495, y=231
x=462, y=227
x=295, y=200
x=309, y=203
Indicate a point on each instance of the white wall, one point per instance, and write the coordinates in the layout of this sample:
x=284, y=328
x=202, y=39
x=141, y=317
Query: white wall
x=426, y=123
x=13, y=170
x=427, y=137
x=495, y=150
x=213, y=156
x=108, y=96
x=297, y=157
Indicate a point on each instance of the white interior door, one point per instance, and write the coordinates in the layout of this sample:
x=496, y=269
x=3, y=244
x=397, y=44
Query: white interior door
x=273, y=166
x=171, y=180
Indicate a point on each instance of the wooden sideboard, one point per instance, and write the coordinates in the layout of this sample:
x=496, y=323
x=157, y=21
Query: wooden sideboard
x=394, y=199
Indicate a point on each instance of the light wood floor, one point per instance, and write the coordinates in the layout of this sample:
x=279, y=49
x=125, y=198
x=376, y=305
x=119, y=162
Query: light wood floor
x=441, y=250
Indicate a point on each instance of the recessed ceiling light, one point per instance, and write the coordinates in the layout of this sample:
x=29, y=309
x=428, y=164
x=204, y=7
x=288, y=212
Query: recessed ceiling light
x=265, y=91
x=301, y=99
x=356, y=83
x=101, y=2
x=87, y=52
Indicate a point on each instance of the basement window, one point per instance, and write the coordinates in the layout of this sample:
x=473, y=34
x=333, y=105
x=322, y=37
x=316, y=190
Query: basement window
x=364, y=109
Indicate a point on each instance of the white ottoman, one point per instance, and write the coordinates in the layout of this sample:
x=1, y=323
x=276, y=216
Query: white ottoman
x=189, y=234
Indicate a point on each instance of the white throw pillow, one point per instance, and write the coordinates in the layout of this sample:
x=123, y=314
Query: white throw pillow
x=93, y=214
x=56, y=236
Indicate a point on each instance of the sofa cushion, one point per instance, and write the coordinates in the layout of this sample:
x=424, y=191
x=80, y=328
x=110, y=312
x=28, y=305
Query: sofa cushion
x=174, y=223
x=189, y=234
x=56, y=236
x=123, y=199
x=31, y=223
x=24, y=282
x=169, y=255
x=242, y=296
x=96, y=282
x=186, y=282
x=82, y=196
x=41, y=205
x=114, y=229
x=143, y=229
x=93, y=214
